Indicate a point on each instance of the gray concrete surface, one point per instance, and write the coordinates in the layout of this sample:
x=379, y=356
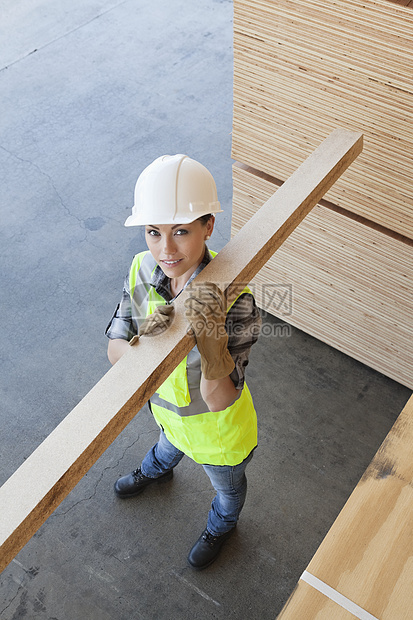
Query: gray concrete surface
x=90, y=93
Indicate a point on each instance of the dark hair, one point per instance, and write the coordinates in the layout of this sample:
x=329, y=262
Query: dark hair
x=204, y=219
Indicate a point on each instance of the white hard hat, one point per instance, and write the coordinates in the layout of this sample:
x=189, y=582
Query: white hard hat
x=173, y=189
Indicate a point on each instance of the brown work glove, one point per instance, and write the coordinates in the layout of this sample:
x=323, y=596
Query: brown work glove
x=206, y=314
x=156, y=323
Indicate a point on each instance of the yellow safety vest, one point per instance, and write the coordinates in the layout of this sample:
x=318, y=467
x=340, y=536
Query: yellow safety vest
x=215, y=438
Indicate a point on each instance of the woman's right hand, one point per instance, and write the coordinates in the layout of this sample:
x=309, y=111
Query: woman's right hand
x=157, y=322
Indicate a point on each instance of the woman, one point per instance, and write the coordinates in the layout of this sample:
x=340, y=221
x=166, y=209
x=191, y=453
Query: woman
x=204, y=408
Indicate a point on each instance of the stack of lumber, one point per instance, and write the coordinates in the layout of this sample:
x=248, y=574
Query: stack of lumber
x=301, y=70
x=363, y=568
x=304, y=68
x=352, y=286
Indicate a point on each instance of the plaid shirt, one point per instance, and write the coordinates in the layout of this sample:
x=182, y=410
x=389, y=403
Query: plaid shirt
x=243, y=321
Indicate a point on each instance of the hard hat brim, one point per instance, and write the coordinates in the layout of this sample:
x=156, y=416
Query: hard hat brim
x=141, y=219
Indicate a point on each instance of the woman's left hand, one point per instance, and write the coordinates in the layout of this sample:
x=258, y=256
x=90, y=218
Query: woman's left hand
x=206, y=314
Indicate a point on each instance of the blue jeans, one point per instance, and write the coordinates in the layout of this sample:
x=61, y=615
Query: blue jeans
x=229, y=482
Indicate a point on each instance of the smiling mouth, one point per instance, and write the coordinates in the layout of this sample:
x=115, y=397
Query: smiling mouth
x=170, y=263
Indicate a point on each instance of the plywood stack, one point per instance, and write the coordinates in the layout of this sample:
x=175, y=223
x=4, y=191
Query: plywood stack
x=302, y=69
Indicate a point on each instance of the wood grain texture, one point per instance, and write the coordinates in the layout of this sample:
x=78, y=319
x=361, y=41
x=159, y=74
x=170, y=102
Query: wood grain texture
x=352, y=286
x=34, y=491
x=367, y=555
x=301, y=68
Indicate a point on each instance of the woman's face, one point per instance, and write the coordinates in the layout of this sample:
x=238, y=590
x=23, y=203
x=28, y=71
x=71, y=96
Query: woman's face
x=179, y=248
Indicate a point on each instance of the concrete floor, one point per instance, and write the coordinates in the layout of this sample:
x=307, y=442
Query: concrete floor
x=91, y=92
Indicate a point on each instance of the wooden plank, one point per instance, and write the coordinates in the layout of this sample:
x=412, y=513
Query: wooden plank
x=367, y=556
x=34, y=491
x=352, y=285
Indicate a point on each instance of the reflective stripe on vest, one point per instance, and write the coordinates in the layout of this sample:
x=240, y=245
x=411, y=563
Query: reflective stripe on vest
x=216, y=438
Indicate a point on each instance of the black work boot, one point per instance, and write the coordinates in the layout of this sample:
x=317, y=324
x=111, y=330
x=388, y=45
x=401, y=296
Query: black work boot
x=136, y=482
x=207, y=548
